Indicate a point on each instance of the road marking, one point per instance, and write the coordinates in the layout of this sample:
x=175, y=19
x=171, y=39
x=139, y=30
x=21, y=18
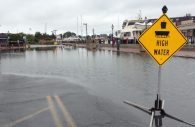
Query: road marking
x=53, y=112
x=20, y=120
x=68, y=118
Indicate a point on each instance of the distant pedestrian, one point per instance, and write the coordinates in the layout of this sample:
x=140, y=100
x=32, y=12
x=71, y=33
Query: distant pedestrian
x=127, y=41
x=118, y=43
x=113, y=42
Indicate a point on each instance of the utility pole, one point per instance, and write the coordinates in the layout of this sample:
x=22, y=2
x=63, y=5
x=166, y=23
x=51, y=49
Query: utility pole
x=112, y=32
x=145, y=23
x=86, y=28
x=118, y=22
x=112, y=28
x=93, y=31
x=45, y=28
x=77, y=25
x=81, y=26
x=30, y=30
x=0, y=25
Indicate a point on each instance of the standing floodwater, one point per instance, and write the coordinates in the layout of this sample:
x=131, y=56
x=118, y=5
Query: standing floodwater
x=109, y=75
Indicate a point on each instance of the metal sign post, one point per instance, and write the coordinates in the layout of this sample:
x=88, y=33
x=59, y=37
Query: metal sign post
x=158, y=102
x=162, y=45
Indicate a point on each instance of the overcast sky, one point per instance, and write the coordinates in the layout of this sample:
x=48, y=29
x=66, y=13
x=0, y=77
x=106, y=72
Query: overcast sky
x=30, y=16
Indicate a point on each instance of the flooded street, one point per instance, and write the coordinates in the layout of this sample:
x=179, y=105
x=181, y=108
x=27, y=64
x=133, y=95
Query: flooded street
x=110, y=76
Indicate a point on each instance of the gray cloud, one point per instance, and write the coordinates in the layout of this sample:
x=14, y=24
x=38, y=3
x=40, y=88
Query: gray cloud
x=20, y=15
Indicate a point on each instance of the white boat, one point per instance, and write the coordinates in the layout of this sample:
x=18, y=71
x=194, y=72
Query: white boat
x=132, y=29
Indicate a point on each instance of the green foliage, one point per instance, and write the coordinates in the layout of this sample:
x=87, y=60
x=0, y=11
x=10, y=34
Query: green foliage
x=15, y=37
x=37, y=37
x=68, y=34
x=46, y=37
x=30, y=38
x=73, y=34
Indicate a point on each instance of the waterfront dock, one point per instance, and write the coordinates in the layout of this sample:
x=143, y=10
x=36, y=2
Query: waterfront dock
x=182, y=53
x=13, y=48
x=187, y=51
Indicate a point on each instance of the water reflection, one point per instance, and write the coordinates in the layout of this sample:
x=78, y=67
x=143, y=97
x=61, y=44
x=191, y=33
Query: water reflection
x=42, y=48
x=118, y=53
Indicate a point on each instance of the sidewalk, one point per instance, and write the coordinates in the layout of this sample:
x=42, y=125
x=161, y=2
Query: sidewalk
x=188, y=54
x=181, y=53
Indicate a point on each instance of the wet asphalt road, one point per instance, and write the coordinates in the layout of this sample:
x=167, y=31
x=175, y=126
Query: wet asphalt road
x=34, y=102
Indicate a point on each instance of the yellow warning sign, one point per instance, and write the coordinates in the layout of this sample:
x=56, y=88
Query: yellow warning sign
x=162, y=39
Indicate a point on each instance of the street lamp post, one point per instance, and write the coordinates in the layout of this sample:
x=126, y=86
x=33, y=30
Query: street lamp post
x=93, y=32
x=86, y=30
x=0, y=42
x=145, y=22
x=8, y=37
x=85, y=27
x=112, y=32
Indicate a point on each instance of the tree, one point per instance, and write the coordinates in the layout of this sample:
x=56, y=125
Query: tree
x=68, y=34
x=16, y=37
x=38, y=36
x=53, y=36
x=73, y=34
x=30, y=38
